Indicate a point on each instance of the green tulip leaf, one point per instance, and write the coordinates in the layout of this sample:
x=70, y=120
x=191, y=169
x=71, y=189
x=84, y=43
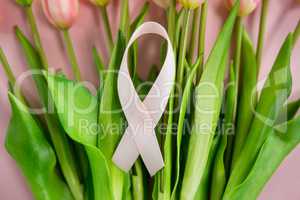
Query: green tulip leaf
x=99, y=64
x=181, y=120
x=77, y=109
x=26, y=143
x=208, y=101
x=59, y=138
x=111, y=121
x=220, y=170
x=247, y=99
x=273, y=152
x=204, y=188
x=288, y=111
x=276, y=90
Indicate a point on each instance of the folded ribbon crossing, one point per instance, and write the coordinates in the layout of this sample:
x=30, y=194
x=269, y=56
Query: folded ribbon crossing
x=139, y=137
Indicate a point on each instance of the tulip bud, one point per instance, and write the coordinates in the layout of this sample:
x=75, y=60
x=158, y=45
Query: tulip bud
x=246, y=6
x=24, y=2
x=61, y=13
x=99, y=2
x=191, y=4
x=163, y=3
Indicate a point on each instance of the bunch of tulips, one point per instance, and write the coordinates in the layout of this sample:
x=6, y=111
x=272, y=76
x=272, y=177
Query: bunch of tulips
x=222, y=138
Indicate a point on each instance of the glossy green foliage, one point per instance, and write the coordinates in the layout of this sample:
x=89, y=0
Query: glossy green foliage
x=288, y=111
x=207, y=110
x=204, y=189
x=181, y=120
x=34, y=64
x=112, y=122
x=110, y=108
x=201, y=163
x=157, y=190
x=59, y=138
x=26, y=143
x=275, y=149
x=138, y=186
x=99, y=64
x=179, y=19
x=247, y=99
x=220, y=170
x=168, y=153
x=77, y=109
x=276, y=90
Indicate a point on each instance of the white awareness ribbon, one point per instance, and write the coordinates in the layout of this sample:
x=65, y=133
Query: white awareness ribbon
x=142, y=117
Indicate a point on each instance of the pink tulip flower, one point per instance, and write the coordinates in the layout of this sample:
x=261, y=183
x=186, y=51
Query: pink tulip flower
x=246, y=6
x=61, y=13
x=191, y=4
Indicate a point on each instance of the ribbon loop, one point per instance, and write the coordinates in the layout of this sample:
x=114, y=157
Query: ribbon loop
x=139, y=137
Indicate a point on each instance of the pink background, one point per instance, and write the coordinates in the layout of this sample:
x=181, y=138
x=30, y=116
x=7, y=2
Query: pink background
x=87, y=32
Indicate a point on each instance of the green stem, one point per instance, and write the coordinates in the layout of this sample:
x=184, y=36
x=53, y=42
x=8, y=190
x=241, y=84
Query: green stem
x=138, y=181
x=261, y=35
x=99, y=64
x=76, y=71
x=195, y=24
x=106, y=25
x=11, y=77
x=71, y=54
x=168, y=117
x=124, y=21
x=237, y=56
x=7, y=69
x=65, y=156
x=234, y=92
x=202, y=32
x=36, y=36
x=183, y=47
x=167, y=172
x=171, y=21
x=296, y=33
